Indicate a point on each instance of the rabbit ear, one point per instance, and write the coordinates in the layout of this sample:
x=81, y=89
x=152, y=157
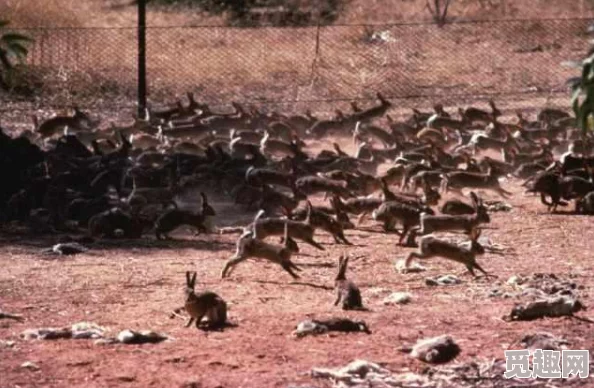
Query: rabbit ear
x=193, y=280
x=204, y=199
x=285, y=234
x=341, y=267
x=308, y=216
x=188, y=278
x=474, y=199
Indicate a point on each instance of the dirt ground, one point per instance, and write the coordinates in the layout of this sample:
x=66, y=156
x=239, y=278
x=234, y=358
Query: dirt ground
x=137, y=286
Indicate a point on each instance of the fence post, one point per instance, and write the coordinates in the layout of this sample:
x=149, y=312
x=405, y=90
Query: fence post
x=141, y=57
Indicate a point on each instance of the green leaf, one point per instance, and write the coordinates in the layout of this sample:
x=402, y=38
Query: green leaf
x=19, y=50
x=586, y=71
x=585, y=111
x=8, y=37
x=4, y=59
x=575, y=97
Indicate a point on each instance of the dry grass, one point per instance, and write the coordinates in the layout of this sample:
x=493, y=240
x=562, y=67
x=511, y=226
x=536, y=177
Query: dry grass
x=92, y=13
x=41, y=13
x=116, y=13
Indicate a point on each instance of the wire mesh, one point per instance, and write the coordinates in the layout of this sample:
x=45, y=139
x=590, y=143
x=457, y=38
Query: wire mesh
x=308, y=65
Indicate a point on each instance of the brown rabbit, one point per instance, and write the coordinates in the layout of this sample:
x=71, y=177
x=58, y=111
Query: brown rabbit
x=203, y=304
x=346, y=290
x=79, y=121
x=174, y=218
x=250, y=246
x=430, y=247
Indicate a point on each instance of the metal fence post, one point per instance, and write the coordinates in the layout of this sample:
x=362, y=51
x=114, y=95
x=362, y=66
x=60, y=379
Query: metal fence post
x=141, y=57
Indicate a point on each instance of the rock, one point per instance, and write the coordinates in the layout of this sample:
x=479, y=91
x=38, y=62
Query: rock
x=498, y=206
x=142, y=337
x=445, y=280
x=314, y=327
x=359, y=369
x=515, y=280
x=191, y=384
x=107, y=341
x=87, y=330
x=436, y=350
x=30, y=365
x=544, y=341
x=414, y=268
x=69, y=248
x=498, y=293
x=309, y=327
x=398, y=298
x=376, y=291
x=7, y=344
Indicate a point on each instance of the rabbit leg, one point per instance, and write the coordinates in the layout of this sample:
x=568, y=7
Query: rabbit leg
x=343, y=238
x=361, y=218
x=418, y=255
x=405, y=229
x=423, y=230
x=336, y=239
x=215, y=319
x=503, y=193
x=389, y=225
x=198, y=320
x=471, y=266
x=162, y=235
x=189, y=323
x=230, y=265
x=314, y=244
x=292, y=245
x=338, y=297
x=288, y=266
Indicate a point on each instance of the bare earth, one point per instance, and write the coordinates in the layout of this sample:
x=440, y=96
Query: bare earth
x=136, y=287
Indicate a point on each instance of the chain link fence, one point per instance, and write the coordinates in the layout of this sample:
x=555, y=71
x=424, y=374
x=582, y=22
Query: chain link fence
x=310, y=67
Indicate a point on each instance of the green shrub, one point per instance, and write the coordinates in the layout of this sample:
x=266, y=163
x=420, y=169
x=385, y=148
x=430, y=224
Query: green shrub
x=13, y=53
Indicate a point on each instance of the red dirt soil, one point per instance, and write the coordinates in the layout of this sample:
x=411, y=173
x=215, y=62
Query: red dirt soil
x=124, y=287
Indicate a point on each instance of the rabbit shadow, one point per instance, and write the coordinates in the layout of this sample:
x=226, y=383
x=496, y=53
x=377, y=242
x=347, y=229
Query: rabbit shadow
x=219, y=328
x=296, y=283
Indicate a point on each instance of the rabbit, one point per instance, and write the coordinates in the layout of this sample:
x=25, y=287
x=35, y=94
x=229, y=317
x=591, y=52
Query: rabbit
x=301, y=230
x=445, y=222
x=391, y=212
x=250, y=246
x=174, y=218
x=429, y=247
x=322, y=220
x=203, y=304
x=346, y=291
x=585, y=205
x=455, y=207
x=458, y=180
